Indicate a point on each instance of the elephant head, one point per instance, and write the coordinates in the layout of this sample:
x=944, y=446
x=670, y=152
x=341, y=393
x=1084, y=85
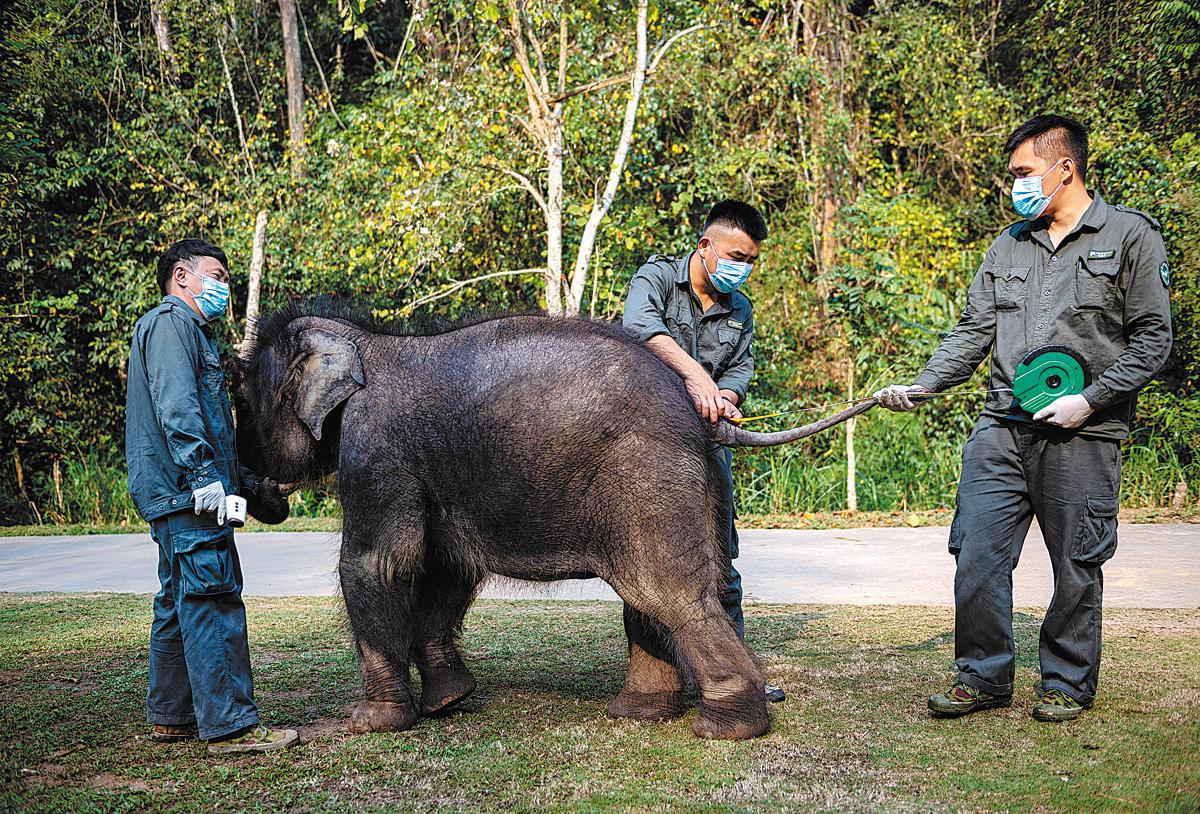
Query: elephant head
x=291, y=386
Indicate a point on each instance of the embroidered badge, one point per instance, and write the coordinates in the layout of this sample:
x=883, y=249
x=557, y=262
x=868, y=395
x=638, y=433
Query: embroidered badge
x=733, y=323
x=1164, y=272
x=1100, y=254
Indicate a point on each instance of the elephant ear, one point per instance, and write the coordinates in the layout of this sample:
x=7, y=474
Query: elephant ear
x=330, y=371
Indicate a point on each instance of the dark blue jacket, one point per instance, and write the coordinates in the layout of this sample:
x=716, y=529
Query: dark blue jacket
x=178, y=425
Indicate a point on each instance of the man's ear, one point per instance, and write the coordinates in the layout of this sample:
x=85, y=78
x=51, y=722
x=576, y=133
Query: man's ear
x=1068, y=165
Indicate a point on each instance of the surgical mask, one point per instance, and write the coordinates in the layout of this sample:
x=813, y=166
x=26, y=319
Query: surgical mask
x=729, y=275
x=213, y=298
x=1027, y=197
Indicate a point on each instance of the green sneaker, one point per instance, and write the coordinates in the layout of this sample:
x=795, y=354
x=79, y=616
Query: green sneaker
x=963, y=699
x=1057, y=706
x=255, y=739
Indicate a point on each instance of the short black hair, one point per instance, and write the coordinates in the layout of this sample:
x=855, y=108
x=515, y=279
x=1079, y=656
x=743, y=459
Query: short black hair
x=740, y=216
x=185, y=251
x=1053, y=136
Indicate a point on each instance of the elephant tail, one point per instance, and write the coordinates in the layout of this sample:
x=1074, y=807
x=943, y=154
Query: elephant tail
x=731, y=435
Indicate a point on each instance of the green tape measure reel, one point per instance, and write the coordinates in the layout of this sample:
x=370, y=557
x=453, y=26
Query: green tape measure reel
x=1047, y=373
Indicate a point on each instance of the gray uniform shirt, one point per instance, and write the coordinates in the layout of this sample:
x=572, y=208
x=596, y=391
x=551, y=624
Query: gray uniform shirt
x=661, y=301
x=1103, y=292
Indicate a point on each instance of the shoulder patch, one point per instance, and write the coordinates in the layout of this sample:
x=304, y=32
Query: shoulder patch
x=1153, y=223
x=1164, y=273
x=661, y=258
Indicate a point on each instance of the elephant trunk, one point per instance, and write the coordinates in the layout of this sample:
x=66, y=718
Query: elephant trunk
x=731, y=435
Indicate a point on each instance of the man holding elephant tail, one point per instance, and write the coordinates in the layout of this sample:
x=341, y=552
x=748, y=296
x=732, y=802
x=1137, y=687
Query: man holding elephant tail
x=1076, y=278
x=179, y=448
x=690, y=312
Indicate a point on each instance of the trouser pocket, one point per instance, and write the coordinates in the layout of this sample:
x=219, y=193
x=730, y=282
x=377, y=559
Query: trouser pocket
x=205, y=558
x=1096, y=537
x=956, y=532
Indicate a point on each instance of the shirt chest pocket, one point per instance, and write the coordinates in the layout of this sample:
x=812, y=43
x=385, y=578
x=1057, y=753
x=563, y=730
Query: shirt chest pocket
x=211, y=375
x=1096, y=282
x=1010, y=282
x=727, y=342
x=680, y=328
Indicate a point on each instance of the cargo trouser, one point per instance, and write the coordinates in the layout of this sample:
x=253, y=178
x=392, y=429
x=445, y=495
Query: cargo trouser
x=1012, y=473
x=731, y=588
x=199, y=655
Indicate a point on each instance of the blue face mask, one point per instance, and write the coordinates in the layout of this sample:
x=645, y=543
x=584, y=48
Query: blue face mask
x=729, y=275
x=213, y=298
x=1027, y=197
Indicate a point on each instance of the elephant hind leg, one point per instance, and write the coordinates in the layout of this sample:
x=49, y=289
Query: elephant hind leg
x=442, y=599
x=653, y=690
x=703, y=642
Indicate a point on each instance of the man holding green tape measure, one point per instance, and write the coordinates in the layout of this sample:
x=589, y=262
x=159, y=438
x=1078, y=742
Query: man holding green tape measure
x=1073, y=305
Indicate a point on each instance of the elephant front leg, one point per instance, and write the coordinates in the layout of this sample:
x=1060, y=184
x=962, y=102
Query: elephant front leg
x=445, y=679
x=442, y=599
x=377, y=588
x=388, y=705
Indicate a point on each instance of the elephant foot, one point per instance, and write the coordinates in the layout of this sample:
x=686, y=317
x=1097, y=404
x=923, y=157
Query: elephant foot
x=382, y=716
x=442, y=690
x=647, y=706
x=732, y=723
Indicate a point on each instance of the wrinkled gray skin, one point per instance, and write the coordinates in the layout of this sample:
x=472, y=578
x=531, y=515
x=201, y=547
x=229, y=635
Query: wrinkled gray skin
x=527, y=446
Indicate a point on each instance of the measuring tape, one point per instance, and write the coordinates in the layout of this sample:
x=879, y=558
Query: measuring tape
x=912, y=396
x=1048, y=373
x=1044, y=374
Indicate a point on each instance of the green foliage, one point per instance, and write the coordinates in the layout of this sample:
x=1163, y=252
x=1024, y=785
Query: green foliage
x=110, y=150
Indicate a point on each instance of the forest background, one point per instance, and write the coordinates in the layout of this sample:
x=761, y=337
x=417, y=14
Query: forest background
x=446, y=157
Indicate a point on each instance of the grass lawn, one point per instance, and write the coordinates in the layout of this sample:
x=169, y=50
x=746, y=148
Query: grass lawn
x=852, y=736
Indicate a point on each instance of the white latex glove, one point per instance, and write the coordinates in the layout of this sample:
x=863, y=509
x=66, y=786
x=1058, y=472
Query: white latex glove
x=896, y=397
x=1067, y=412
x=211, y=498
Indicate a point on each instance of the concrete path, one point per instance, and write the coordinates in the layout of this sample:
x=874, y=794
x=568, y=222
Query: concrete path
x=1156, y=566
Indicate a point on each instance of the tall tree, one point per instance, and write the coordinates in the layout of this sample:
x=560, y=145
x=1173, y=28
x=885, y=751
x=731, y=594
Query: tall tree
x=295, y=82
x=545, y=125
x=162, y=37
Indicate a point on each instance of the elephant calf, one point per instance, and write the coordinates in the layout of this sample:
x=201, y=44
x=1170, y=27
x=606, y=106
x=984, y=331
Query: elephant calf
x=533, y=447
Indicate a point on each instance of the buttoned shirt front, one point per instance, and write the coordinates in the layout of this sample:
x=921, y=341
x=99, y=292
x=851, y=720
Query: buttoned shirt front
x=1102, y=291
x=661, y=301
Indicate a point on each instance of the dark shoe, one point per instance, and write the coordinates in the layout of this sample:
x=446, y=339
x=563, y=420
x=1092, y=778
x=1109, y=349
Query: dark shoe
x=255, y=739
x=963, y=699
x=1057, y=706
x=165, y=733
x=774, y=694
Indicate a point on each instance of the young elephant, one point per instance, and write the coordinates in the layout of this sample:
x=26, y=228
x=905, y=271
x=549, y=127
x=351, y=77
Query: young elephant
x=528, y=446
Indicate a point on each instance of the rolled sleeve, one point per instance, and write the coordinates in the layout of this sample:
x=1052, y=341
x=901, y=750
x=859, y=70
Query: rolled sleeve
x=1147, y=325
x=172, y=360
x=740, y=371
x=646, y=305
x=968, y=344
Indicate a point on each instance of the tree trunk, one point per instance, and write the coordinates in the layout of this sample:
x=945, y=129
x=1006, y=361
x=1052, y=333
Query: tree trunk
x=851, y=462
x=554, y=213
x=162, y=36
x=257, y=260
x=295, y=83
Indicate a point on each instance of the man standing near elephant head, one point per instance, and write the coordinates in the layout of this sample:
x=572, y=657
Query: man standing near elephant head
x=691, y=313
x=1091, y=280
x=179, y=448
